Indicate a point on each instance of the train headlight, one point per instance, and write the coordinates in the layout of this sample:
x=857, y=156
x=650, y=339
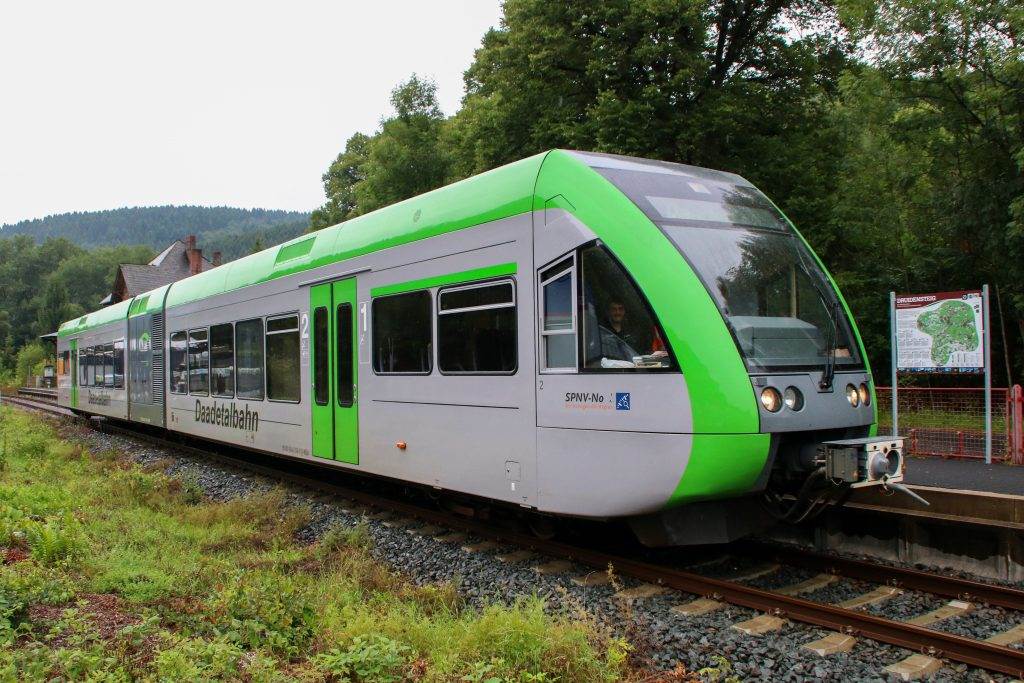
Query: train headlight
x=771, y=399
x=864, y=393
x=852, y=395
x=793, y=399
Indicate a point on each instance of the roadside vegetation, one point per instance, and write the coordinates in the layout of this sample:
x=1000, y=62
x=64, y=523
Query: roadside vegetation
x=114, y=572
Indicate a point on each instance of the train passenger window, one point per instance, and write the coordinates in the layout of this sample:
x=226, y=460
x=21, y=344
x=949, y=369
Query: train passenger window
x=108, y=365
x=346, y=352
x=179, y=366
x=476, y=329
x=222, y=360
x=283, y=371
x=249, y=359
x=619, y=331
x=321, y=356
x=402, y=334
x=198, y=362
x=558, y=316
x=99, y=360
x=83, y=367
x=119, y=364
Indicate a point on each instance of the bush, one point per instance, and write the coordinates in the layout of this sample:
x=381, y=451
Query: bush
x=265, y=611
x=29, y=358
x=373, y=659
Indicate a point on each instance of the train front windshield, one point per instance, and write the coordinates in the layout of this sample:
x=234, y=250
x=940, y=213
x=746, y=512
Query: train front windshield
x=781, y=307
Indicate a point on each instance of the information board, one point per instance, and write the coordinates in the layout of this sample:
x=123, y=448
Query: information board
x=941, y=332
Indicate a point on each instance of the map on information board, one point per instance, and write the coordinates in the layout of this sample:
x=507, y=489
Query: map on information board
x=940, y=332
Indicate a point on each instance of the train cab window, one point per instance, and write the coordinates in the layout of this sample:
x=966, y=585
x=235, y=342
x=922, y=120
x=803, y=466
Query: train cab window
x=179, y=363
x=402, y=334
x=619, y=331
x=119, y=364
x=321, y=356
x=222, y=360
x=249, y=359
x=283, y=371
x=198, y=362
x=476, y=329
x=346, y=355
x=558, y=316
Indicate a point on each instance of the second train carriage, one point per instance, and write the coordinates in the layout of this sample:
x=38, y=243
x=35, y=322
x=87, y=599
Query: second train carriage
x=574, y=333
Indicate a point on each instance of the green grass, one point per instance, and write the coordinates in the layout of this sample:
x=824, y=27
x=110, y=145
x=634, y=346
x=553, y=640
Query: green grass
x=116, y=573
x=931, y=418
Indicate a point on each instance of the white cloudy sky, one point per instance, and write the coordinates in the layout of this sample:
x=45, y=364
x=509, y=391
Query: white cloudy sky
x=109, y=104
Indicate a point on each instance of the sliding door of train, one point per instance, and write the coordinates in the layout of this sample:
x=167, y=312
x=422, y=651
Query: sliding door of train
x=335, y=381
x=73, y=348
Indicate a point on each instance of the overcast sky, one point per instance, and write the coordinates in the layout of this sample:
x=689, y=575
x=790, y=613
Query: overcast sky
x=110, y=104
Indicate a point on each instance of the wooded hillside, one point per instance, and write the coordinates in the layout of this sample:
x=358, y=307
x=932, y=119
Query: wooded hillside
x=218, y=228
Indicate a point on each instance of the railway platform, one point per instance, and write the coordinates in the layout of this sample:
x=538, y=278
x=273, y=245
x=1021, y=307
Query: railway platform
x=974, y=520
x=966, y=475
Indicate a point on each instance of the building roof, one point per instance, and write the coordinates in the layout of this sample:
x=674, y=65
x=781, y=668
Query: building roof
x=170, y=265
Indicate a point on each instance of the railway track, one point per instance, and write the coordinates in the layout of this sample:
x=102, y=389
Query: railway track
x=846, y=621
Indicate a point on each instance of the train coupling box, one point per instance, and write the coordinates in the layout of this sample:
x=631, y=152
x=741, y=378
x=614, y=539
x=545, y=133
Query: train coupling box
x=864, y=462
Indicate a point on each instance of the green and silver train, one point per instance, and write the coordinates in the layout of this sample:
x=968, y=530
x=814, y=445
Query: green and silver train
x=574, y=334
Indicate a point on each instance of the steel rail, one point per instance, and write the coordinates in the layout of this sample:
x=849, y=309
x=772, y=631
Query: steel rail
x=935, y=643
x=899, y=577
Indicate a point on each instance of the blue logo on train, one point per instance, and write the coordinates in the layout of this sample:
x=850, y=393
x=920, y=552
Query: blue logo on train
x=622, y=401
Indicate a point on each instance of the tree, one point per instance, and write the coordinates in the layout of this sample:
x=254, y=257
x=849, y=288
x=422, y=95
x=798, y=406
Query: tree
x=405, y=157
x=932, y=177
x=339, y=184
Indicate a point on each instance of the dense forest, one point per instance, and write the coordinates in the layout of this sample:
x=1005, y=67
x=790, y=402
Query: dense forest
x=219, y=228
x=891, y=133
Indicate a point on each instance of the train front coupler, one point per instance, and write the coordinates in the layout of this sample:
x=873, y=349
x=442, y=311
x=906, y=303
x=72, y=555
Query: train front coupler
x=871, y=461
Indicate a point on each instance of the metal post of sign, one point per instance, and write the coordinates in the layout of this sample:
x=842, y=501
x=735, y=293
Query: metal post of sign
x=892, y=342
x=987, y=337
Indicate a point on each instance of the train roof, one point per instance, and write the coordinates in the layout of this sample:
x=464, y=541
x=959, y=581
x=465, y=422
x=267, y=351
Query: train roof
x=112, y=313
x=500, y=193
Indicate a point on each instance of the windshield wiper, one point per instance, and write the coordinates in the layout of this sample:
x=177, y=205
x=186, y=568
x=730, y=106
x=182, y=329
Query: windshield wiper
x=828, y=373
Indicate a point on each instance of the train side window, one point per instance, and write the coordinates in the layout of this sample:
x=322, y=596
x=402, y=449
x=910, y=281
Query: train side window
x=283, y=371
x=619, y=330
x=476, y=329
x=249, y=359
x=108, y=365
x=179, y=366
x=321, y=356
x=346, y=368
x=89, y=367
x=83, y=367
x=222, y=360
x=198, y=362
x=119, y=364
x=402, y=334
x=558, y=316
x=99, y=361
